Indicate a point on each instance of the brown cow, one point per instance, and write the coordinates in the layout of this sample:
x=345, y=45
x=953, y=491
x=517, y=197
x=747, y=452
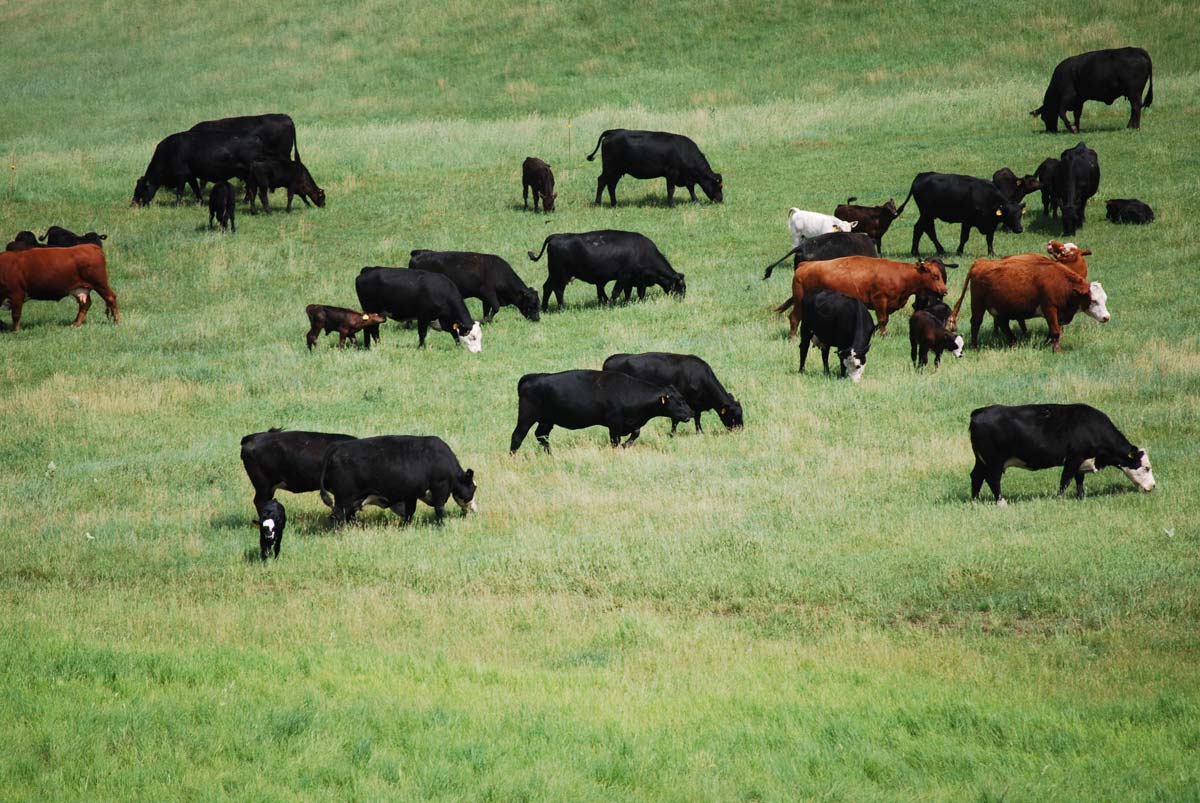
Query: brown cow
x=873, y=221
x=537, y=175
x=346, y=322
x=48, y=274
x=1023, y=286
x=882, y=284
x=1070, y=256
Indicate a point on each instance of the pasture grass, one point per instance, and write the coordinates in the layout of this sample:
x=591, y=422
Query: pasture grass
x=807, y=609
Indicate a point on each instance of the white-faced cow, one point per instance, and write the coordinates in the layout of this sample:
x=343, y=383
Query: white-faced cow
x=417, y=295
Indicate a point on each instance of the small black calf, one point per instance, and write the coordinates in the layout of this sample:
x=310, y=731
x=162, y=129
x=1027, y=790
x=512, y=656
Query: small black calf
x=271, y=520
x=221, y=202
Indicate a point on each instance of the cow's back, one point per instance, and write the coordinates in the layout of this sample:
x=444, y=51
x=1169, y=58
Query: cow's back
x=50, y=273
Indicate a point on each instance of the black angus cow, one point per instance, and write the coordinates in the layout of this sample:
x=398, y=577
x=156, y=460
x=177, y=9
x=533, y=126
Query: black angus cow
x=277, y=132
x=408, y=295
x=1074, y=437
x=1076, y=180
x=222, y=205
x=285, y=461
x=58, y=237
x=579, y=399
x=537, y=175
x=189, y=157
x=1128, y=210
x=690, y=375
x=23, y=242
x=837, y=321
x=654, y=154
x=394, y=471
x=272, y=518
x=828, y=246
x=973, y=202
x=1045, y=174
x=484, y=276
x=927, y=332
x=599, y=257
x=1013, y=187
x=272, y=174
x=1097, y=75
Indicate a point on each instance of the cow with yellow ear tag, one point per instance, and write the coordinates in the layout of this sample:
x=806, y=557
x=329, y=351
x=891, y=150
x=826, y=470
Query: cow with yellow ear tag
x=428, y=298
x=972, y=202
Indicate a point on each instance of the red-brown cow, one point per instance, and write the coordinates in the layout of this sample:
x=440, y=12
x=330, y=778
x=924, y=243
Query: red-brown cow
x=881, y=284
x=48, y=274
x=873, y=221
x=1024, y=286
x=1070, y=256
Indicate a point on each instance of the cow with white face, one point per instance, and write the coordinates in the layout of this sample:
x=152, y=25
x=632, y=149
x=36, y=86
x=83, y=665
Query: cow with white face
x=271, y=520
x=836, y=321
x=417, y=295
x=1074, y=437
x=1098, y=303
x=803, y=224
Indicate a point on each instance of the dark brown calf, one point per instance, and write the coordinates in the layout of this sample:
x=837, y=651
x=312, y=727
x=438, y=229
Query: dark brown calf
x=925, y=333
x=537, y=175
x=221, y=203
x=873, y=221
x=23, y=242
x=346, y=322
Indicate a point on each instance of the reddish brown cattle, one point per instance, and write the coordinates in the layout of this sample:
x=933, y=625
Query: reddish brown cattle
x=873, y=221
x=1070, y=256
x=346, y=322
x=882, y=284
x=48, y=274
x=1025, y=286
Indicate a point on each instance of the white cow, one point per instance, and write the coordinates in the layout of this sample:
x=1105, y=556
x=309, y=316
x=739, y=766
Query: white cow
x=803, y=225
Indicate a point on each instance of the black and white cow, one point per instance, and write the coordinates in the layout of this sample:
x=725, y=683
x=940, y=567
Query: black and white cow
x=1097, y=75
x=828, y=246
x=1076, y=180
x=407, y=295
x=690, y=375
x=394, y=471
x=272, y=518
x=1128, y=210
x=973, y=202
x=927, y=332
x=285, y=461
x=837, y=321
x=630, y=259
x=579, y=399
x=654, y=154
x=1074, y=437
x=484, y=276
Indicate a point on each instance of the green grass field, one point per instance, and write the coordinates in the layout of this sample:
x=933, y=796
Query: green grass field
x=811, y=608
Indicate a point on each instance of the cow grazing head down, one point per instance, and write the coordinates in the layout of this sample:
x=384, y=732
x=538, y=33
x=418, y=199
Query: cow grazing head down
x=472, y=341
x=713, y=187
x=1009, y=216
x=678, y=286
x=527, y=304
x=143, y=192
x=463, y=491
x=731, y=415
x=1097, y=305
x=675, y=406
x=1136, y=466
x=271, y=521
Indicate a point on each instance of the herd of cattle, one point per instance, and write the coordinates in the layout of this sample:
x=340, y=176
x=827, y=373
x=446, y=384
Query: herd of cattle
x=838, y=278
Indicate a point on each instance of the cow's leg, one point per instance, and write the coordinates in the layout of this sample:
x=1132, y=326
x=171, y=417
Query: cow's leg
x=1069, y=472
x=670, y=193
x=881, y=317
x=977, y=475
x=641, y=293
x=633, y=436
x=964, y=235
x=1079, y=484
x=698, y=427
x=918, y=230
x=525, y=196
x=1055, y=328
x=1006, y=330
x=438, y=496
x=691, y=188
x=526, y=418
x=1078, y=110
x=993, y=480
x=794, y=320
x=491, y=305
x=923, y=356
x=977, y=311
x=422, y=330
x=290, y=196
x=600, y=184
x=342, y=335
x=937, y=358
x=313, y=333
x=542, y=433
x=600, y=295
x=913, y=349
x=547, y=289
x=931, y=230
x=1024, y=329
x=407, y=511
x=612, y=191
x=989, y=236
x=1135, y=111
x=196, y=189
x=262, y=194
x=825, y=358
x=84, y=299
x=805, y=342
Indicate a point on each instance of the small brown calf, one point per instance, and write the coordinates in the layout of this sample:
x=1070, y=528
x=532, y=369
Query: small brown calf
x=346, y=322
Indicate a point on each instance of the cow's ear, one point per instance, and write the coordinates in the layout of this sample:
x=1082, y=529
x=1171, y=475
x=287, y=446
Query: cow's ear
x=1085, y=252
x=662, y=399
x=470, y=474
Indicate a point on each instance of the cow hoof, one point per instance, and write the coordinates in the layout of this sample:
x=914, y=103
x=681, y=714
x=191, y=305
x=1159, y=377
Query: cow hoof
x=1001, y=502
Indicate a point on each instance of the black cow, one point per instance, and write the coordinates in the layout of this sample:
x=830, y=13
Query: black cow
x=222, y=205
x=484, y=276
x=1128, y=210
x=58, y=237
x=23, y=242
x=927, y=331
x=961, y=199
x=579, y=399
x=1074, y=437
x=837, y=321
x=828, y=246
x=933, y=305
x=654, y=154
x=1097, y=75
x=406, y=295
x=537, y=175
x=189, y=157
x=394, y=471
x=1076, y=180
x=277, y=132
x=690, y=375
x=1012, y=187
x=1045, y=174
x=286, y=461
x=272, y=518
x=273, y=174
x=599, y=257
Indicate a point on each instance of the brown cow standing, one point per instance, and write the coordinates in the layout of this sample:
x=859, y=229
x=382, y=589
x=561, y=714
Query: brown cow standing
x=882, y=284
x=346, y=322
x=1024, y=286
x=873, y=221
x=537, y=175
x=48, y=274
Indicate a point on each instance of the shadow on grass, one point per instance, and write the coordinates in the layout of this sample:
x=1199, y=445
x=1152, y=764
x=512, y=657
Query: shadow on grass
x=1103, y=488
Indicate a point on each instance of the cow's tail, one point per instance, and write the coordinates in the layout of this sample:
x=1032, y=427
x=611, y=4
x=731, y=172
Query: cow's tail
x=852, y=199
x=1149, y=95
x=952, y=321
x=787, y=305
x=539, y=253
x=42, y=239
x=901, y=207
x=771, y=267
x=591, y=156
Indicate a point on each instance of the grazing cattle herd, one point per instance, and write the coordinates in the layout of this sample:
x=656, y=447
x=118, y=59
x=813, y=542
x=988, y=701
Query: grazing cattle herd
x=838, y=279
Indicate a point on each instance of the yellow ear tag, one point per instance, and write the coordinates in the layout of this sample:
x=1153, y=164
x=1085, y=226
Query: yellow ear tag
x=662, y=399
x=999, y=213
x=366, y=317
x=723, y=409
x=1019, y=182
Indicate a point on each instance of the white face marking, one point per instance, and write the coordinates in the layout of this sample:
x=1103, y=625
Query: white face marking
x=269, y=526
x=473, y=340
x=1141, y=476
x=958, y=346
x=854, y=367
x=1098, y=308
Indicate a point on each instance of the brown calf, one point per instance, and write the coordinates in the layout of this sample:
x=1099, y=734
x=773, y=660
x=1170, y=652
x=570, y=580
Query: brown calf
x=346, y=322
x=48, y=274
x=925, y=333
x=537, y=175
x=873, y=221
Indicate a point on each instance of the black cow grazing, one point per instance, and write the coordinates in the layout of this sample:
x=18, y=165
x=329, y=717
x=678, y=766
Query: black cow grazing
x=1045, y=174
x=1076, y=180
x=273, y=174
x=58, y=237
x=272, y=518
x=346, y=322
x=837, y=321
x=537, y=175
x=1097, y=75
x=484, y=276
x=690, y=375
x=580, y=399
x=277, y=132
x=599, y=257
x=1012, y=187
x=221, y=206
x=1128, y=210
x=654, y=154
x=961, y=199
x=23, y=242
x=406, y=295
x=286, y=461
x=828, y=246
x=927, y=332
x=394, y=471
x=1074, y=437
x=189, y=157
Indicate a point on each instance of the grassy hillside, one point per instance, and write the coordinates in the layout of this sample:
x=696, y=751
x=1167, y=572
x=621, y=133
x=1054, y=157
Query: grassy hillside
x=807, y=609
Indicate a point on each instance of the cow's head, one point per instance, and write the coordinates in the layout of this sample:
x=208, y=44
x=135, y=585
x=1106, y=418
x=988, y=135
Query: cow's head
x=1096, y=303
x=302, y=183
x=714, y=187
x=1008, y=215
x=365, y=319
x=463, y=491
x=673, y=406
x=932, y=276
x=1065, y=252
x=854, y=362
x=731, y=414
x=143, y=192
x=548, y=201
x=1028, y=184
x=845, y=226
x=1136, y=465
x=677, y=285
x=471, y=340
x=1049, y=116
x=527, y=303
x=890, y=208
x=956, y=345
